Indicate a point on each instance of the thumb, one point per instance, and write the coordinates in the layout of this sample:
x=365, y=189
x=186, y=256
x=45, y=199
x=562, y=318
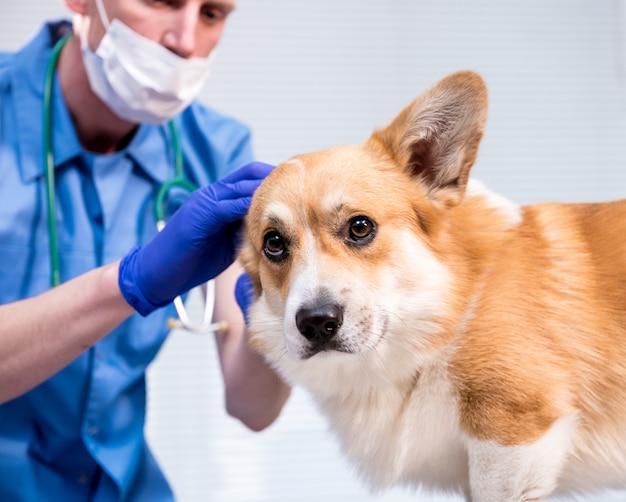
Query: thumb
x=244, y=294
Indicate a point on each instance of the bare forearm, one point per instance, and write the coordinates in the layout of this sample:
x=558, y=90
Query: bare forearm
x=254, y=392
x=41, y=335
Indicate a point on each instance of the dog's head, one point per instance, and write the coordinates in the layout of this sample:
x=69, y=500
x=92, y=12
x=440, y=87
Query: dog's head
x=343, y=246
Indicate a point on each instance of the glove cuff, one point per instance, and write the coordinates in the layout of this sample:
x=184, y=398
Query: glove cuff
x=128, y=284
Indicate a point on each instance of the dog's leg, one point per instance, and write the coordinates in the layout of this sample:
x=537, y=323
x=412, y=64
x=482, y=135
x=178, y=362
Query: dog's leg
x=519, y=473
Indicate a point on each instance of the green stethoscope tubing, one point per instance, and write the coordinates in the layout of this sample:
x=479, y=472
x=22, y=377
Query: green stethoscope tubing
x=159, y=202
x=179, y=179
x=55, y=274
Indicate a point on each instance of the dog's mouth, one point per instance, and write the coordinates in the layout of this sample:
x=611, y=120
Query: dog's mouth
x=330, y=346
x=321, y=329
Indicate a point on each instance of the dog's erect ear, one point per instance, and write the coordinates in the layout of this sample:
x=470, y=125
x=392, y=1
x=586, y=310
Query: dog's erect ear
x=436, y=137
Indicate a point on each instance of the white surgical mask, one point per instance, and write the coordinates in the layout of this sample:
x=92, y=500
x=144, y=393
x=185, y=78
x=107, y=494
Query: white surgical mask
x=140, y=80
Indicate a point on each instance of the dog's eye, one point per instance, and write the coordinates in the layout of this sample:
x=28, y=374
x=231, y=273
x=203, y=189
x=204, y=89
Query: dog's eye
x=274, y=246
x=361, y=229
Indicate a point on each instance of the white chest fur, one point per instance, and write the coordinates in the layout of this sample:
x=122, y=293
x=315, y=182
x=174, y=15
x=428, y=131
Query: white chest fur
x=405, y=434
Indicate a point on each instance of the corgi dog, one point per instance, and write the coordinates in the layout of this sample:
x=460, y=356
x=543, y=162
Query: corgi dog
x=454, y=340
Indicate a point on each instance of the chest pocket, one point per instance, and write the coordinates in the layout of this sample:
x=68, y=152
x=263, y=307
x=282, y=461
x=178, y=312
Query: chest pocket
x=24, y=238
x=24, y=251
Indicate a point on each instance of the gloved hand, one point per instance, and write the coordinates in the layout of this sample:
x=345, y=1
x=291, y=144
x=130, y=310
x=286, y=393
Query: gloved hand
x=244, y=294
x=196, y=245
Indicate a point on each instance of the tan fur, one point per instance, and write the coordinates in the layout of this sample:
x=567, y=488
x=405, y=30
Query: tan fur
x=478, y=346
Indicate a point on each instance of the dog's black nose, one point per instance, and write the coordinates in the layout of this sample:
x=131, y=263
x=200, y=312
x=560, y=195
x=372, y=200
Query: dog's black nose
x=320, y=323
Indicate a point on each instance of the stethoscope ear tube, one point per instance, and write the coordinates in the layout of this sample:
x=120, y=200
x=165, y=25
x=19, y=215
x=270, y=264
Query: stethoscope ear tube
x=206, y=326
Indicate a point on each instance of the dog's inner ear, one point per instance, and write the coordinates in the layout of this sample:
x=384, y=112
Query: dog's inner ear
x=436, y=137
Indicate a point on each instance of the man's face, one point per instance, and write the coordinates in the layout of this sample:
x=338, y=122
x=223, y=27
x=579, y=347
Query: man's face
x=188, y=28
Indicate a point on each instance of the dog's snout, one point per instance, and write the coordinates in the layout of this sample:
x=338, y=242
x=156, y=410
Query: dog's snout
x=320, y=323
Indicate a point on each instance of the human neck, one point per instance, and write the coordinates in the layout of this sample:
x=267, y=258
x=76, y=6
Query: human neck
x=99, y=130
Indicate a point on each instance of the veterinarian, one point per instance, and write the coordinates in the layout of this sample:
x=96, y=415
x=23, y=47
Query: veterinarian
x=120, y=113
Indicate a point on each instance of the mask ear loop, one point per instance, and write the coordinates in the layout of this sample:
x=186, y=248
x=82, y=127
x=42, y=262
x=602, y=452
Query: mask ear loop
x=103, y=14
x=82, y=26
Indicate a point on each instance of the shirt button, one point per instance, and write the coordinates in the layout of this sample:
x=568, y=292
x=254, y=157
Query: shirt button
x=83, y=479
x=93, y=430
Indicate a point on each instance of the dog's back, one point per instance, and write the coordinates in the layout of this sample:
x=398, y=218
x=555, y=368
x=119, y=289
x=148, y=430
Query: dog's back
x=452, y=338
x=545, y=338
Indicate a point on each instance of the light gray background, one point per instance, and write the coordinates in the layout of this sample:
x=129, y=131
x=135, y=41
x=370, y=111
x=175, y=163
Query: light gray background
x=308, y=74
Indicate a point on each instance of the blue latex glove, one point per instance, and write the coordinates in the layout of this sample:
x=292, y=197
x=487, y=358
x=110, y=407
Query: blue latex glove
x=196, y=245
x=244, y=294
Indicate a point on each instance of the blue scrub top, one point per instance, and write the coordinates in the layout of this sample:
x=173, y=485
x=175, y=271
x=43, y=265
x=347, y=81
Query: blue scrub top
x=79, y=435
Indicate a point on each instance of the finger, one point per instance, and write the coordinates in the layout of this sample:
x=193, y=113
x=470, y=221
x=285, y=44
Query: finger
x=244, y=294
x=253, y=170
x=235, y=190
x=232, y=209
